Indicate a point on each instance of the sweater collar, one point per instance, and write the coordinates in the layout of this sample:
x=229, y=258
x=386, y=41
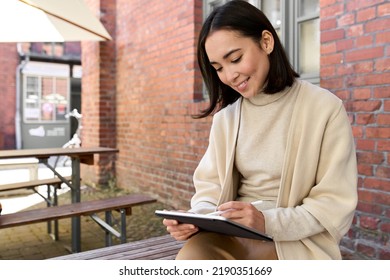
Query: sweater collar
x=262, y=99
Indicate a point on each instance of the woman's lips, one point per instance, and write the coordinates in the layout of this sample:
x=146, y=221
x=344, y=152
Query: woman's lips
x=242, y=86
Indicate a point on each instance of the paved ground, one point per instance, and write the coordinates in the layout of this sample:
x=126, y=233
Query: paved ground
x=31, y=242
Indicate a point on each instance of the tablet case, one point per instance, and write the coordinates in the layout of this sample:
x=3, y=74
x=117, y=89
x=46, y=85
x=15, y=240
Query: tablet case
x=214, y=223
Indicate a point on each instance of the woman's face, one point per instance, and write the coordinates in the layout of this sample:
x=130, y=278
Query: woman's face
x=240, y=62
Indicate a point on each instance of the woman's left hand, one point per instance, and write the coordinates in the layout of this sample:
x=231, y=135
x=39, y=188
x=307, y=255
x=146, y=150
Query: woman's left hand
x=244, y=213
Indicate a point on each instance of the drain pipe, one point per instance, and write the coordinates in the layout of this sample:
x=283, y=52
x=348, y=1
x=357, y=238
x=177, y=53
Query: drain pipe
x=18, y=113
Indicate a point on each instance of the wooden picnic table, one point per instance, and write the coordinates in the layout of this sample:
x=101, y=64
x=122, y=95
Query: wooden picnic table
x=80, y=155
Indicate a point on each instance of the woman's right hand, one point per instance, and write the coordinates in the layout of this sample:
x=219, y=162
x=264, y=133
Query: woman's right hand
x=180, y=231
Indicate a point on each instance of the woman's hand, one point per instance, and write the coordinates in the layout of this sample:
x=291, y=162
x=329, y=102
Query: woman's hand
x=244, y=213
x=180, y=231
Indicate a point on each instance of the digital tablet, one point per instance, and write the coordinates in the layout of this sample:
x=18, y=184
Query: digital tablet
x=213, y=223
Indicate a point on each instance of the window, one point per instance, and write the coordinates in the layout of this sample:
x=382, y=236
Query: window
x=46, y=94
x=298, y=26
x=307, y=27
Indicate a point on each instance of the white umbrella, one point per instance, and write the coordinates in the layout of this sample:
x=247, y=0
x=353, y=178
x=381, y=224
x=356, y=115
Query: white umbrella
x=49, y=21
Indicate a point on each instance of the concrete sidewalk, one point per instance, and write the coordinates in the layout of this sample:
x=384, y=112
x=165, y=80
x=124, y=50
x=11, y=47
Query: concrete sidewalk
x=31, y=242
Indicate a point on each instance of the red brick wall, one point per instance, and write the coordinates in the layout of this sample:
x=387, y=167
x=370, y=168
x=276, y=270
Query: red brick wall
x=98, y=95
x=8, y=64
x=355, y=65
x=157, y=80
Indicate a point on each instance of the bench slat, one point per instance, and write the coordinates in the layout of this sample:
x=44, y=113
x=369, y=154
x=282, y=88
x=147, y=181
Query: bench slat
x=121, y=249
x=32, y=184
x=162, y=247
x=71, y=210
x=142, y=252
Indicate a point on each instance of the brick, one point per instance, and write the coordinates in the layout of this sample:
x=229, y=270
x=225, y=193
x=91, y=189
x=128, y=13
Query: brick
x=382, y=37
x=364, y=54
x=364, y=41
x=383, y=119
x=332, y=83
x=332, y=10
x=366, y=80
x=366, y=106
x=366, y=14
x=346, y=19
x=378, y=184
x=382, y=65
x=328, y=71
x=366, y=196
x=365, y=119
x=378, y=132
x=344, y=44
x=369, y=222
x=344, y=69
x=384, y=9
x=384, y=253
x=369, y=157
x=377, y=25
x=363, y=67
x=365, y=169
x=332, y=35
x=383, y=197
x=387, y=106
x=366, y=250
x=383, y=145
x=385, y=227
x=356, y=30
x=370, y=208
x=325, y=3
x=342, y=94
x=362, y=93
x=383, y=172
x=357, y=131
x=328, y=48
x=327, y=24
x=361, y=4
x=331, y=59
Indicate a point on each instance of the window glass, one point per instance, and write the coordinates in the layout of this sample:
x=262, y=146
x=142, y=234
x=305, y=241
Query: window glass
x=271, y=8
x=309, y=7
x=32, y=99
x=46, y=98
x=309, y=49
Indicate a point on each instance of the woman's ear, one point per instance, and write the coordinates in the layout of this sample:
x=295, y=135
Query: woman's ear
x=267, y=42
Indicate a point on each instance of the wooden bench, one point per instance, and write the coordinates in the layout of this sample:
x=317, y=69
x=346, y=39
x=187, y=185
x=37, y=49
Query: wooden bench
x=156, y=248
x=33, y=184
x=123, y=204
x=51, y=197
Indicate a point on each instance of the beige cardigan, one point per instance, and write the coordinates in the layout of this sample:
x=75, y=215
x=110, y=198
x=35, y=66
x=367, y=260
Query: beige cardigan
x=319, y=172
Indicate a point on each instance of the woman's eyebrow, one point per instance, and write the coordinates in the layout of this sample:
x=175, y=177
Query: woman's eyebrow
x=226, y=55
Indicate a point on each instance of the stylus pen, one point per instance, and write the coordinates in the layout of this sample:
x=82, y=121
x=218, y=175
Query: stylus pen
x=217, y=213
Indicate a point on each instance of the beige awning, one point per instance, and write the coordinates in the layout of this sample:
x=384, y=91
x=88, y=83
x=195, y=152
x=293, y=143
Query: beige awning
x=49, y=21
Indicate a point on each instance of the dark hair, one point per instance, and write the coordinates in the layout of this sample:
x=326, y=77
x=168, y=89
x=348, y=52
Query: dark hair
x=250, y=22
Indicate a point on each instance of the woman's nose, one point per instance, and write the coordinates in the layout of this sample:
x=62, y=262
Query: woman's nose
x=231, y=76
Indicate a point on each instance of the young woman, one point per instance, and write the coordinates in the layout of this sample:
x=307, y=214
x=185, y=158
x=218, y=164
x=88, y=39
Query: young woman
x=274, y=139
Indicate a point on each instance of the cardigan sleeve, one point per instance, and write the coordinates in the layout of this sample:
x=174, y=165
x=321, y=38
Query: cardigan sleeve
x=334, y=198
x=206, y=180
x=331, y=201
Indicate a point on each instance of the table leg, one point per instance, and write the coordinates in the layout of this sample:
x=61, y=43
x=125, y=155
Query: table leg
x=76, y=225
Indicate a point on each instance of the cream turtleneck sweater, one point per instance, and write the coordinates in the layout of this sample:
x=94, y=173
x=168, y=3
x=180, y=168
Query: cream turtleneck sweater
x=260, y=151
x=261, y=144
